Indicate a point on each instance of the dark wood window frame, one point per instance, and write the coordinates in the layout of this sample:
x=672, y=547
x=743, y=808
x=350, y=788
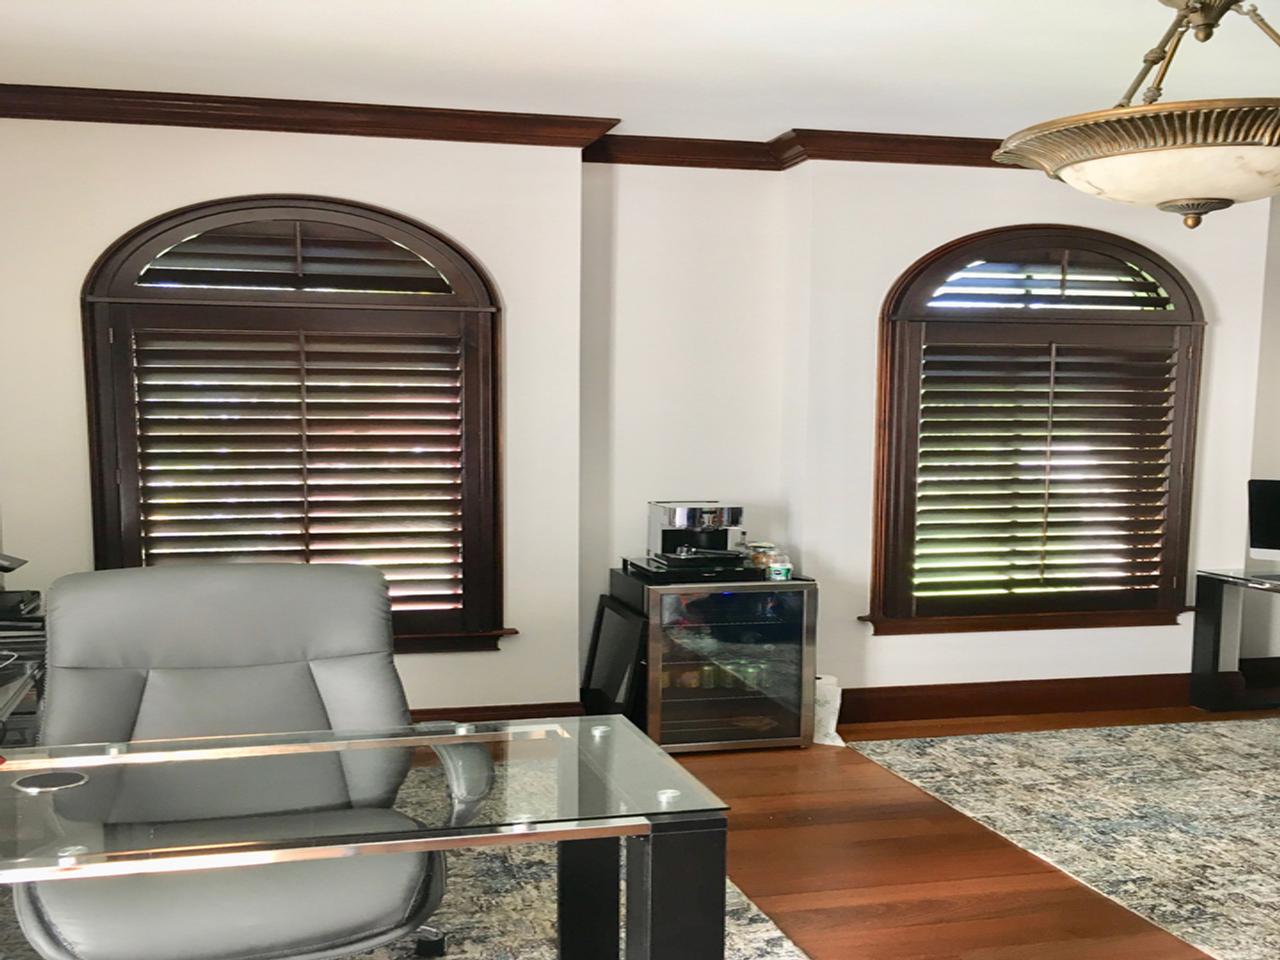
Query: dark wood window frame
x=114, y=306
x=907, y=315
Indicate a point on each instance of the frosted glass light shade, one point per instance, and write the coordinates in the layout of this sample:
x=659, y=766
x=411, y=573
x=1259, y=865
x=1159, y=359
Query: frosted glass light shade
x=1236, y=173
x=1189, y=157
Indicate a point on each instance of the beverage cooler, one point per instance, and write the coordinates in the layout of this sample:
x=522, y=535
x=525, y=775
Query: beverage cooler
x=712, y=665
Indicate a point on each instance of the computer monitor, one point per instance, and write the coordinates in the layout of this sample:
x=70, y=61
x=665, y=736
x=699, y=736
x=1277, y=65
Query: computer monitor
x=10, y=563
x=1264, y=519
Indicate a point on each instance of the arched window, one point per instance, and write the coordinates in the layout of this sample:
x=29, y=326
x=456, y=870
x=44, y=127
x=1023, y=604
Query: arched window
x=1038, y=401
x=299, y=380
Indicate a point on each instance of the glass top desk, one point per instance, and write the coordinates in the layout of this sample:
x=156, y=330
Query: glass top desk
x=148, y=807
x=1213, y=688
x=17, y=679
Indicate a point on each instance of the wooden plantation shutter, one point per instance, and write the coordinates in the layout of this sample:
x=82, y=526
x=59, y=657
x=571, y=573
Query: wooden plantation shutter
x=1035, y=469
x=1060, y=280
x=293, y=255
x=304, y=448
x=1043, y=468
x=325, y=431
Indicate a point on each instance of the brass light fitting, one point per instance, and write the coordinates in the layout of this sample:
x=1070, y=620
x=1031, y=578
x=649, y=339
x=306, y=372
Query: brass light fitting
x=1189, y=157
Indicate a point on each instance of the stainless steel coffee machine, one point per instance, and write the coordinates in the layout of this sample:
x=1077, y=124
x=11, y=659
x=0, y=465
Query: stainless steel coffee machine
x=693, y=524
x=694, y=540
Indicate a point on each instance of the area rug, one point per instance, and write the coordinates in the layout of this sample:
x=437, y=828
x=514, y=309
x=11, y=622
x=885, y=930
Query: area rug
x=1179, y=822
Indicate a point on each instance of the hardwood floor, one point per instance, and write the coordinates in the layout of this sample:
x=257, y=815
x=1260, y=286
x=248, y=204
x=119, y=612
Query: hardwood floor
x=854, y=863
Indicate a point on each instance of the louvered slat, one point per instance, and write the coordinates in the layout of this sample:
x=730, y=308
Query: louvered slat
x=1041, y=469
x=297, y=255
x=1062, y=280
x=309, y=447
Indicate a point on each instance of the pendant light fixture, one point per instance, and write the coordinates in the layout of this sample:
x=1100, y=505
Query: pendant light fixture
x=1188, y=157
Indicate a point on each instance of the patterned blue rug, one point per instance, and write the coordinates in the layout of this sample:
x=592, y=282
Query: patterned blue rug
x=501, y=905
x=1178, y=822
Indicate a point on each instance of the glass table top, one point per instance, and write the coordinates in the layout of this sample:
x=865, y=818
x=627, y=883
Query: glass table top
x=17, y=676
x=168, y=805
x=1258, y=579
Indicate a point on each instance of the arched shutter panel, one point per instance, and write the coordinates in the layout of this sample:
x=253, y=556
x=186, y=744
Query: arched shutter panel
x=296, y=255
x=1038, y=428
x=301, y=381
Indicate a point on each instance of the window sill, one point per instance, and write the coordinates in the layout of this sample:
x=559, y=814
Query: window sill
x=453, y=642
x=899, y=626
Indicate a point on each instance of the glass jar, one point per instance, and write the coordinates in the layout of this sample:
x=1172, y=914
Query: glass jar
x=689, y=679
x=760, y=551
x=779, y=567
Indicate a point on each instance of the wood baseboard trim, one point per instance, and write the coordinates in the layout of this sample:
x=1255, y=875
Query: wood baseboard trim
x=508, y=711
x=1014, y=697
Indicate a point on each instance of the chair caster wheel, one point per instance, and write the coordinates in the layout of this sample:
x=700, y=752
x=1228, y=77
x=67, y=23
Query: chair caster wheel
x=431, y=944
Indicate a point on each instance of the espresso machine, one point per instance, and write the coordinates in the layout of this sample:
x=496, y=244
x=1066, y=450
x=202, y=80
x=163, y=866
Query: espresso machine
x=693, y=524
x=693, y=540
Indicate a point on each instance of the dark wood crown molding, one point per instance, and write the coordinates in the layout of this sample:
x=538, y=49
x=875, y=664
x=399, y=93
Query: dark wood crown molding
x=22, y=101
x=89, y=105
x=682, y=152
x=797, y=146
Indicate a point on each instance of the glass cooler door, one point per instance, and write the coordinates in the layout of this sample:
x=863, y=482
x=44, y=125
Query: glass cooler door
x=729, y=664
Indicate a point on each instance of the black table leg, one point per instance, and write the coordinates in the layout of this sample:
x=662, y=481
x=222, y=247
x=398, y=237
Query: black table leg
x=1207, y=689
x=675, y=890
x=588, y=904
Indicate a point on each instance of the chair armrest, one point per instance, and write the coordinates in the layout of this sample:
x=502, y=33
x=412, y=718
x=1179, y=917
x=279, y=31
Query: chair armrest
x=468, y=769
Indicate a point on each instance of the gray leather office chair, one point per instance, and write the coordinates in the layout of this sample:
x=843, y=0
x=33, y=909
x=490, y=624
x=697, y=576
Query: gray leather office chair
x=214, y=650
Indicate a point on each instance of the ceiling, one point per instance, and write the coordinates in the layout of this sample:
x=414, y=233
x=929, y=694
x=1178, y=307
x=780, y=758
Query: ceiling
x=694, y=68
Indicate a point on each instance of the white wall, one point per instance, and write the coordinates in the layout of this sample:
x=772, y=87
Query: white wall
x=68, y=190
x=1260, y=629
x=867, y=224
x=684, y=330
x=727, y=348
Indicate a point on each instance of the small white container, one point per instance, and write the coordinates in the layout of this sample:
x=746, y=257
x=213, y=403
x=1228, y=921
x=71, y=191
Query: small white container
x=826, y=712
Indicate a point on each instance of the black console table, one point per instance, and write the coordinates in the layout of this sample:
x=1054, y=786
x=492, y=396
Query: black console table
x=1211, y=687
